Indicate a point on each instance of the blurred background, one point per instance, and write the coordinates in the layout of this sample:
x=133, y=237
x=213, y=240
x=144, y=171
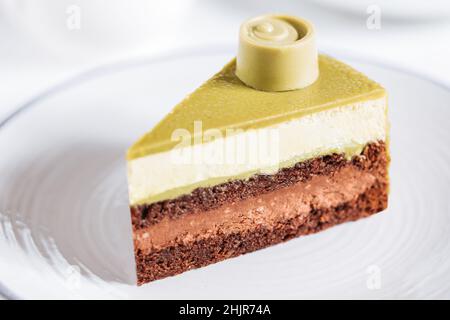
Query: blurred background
x=44, y=42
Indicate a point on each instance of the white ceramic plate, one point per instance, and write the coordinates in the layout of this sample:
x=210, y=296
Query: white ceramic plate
x=64, y=220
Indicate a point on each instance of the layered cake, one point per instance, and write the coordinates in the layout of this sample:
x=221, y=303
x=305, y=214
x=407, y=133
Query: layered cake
x=281, y=142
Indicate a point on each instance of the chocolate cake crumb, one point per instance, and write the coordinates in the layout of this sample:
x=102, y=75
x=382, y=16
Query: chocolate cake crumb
x=182, y=257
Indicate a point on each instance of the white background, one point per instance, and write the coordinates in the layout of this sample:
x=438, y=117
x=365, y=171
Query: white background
x=38, y=46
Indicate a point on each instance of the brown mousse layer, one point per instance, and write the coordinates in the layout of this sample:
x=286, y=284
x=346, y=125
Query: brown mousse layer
x=309, y=197
x=295, y=201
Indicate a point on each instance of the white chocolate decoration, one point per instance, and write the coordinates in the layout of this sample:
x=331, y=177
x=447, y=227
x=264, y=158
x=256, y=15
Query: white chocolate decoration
x=273, y=31
x=277, y=53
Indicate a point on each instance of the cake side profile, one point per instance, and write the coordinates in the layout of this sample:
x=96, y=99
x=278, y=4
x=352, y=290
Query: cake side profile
x=213, y=224
x=245, y=162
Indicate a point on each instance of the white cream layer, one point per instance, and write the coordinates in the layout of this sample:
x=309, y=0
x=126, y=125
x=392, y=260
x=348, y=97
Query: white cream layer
x=256, y=151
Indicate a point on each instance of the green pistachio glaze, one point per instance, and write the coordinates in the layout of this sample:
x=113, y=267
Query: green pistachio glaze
x=224, y=102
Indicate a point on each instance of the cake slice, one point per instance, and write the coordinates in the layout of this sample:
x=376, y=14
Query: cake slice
x=233, y=169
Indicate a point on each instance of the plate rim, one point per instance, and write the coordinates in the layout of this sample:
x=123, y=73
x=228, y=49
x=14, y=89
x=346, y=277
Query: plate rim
x=188, y=51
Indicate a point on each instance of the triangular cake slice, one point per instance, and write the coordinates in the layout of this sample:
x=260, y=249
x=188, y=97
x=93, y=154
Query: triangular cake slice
x=232, y=169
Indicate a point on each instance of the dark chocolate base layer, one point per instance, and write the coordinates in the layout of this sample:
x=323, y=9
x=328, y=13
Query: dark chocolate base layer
x=181, y=257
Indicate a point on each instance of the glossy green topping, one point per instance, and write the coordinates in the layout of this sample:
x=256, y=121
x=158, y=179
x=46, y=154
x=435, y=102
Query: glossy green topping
x=224, y=102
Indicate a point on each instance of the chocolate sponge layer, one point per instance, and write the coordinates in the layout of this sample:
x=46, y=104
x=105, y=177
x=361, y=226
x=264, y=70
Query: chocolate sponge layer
x=190, y=252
